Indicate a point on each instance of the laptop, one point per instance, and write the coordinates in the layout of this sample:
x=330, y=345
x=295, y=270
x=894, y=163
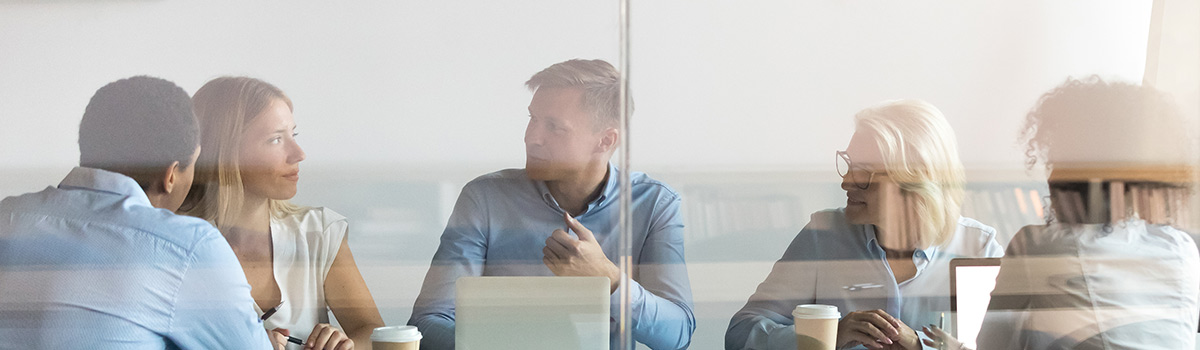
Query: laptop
x=532, y=313
x=971, y=284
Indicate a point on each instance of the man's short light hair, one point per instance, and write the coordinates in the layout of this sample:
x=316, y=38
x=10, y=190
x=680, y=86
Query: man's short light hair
x=599, y=81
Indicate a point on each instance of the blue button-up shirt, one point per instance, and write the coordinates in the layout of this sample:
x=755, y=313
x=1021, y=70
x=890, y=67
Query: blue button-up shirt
x=836, y=263
x=1126, y=285
x=499, y=227
x=92, y=265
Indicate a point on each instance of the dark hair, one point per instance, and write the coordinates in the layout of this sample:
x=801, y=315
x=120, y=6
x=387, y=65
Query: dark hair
x=1124, y=143
x=1091, y=115
x=137, y=127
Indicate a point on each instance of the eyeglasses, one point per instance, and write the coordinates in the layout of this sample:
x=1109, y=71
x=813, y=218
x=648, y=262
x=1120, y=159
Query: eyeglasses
x=846, y=167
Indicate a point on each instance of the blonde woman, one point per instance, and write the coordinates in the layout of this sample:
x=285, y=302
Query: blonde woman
x=883, y=259
x=296, y=259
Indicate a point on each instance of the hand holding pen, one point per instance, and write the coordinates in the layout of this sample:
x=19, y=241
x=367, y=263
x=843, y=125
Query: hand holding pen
x=323, y=336
x=279, y=336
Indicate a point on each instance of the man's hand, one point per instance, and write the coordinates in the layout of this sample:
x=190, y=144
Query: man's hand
x=567, y=256
x=877, y=330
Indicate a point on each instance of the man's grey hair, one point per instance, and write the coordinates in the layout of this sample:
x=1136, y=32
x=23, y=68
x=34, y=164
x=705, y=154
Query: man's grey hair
x=599, y=81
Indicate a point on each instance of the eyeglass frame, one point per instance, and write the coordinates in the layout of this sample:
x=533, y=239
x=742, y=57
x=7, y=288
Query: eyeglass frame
x=841, y=156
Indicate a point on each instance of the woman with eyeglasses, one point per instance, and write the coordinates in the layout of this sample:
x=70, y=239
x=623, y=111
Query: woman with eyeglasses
x=883, y=259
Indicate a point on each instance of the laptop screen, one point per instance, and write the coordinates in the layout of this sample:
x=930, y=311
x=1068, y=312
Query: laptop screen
x=532, y=313
x=971, y=283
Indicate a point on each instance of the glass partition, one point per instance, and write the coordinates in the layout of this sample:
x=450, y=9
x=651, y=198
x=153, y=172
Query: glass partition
x=728, y=161
x=741, y=108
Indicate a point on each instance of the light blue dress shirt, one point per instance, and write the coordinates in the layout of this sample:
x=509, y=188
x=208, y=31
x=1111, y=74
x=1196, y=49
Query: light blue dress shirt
x=499, y=227
x=835, y=263
x=92, y=265
x=1127, y=285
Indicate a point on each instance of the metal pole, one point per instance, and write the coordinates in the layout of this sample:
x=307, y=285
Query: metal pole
x=625, y=252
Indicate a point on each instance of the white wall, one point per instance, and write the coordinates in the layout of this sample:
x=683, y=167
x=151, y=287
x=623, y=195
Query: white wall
x=776, y=83
x=716, y=83
x=373, y=81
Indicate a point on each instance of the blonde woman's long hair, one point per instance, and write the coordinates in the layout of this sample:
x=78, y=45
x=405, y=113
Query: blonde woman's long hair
x=224, y=107
x=920, y=153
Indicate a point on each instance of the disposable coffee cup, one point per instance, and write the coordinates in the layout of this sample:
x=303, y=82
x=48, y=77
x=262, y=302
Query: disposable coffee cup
x=396, y=338
x=816, y=326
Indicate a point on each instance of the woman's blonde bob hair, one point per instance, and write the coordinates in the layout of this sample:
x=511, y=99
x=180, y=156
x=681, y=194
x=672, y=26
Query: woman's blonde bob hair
x=224, y=107
x=921, y=155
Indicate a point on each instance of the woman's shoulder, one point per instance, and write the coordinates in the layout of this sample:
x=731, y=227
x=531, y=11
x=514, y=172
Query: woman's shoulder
x=311, y=219
x=974, y=229
x=828, y=225
x=828, y=219
x=973, y=238
x=1172, y=234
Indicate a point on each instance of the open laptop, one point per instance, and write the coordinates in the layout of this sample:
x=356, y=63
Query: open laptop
x=532, y=313
x=971, y=284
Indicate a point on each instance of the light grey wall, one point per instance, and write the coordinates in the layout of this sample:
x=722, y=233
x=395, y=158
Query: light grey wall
x=759, y=84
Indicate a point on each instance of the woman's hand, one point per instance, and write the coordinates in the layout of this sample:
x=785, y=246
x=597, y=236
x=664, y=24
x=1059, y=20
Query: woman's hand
x=877, y=330
x=941, y=340
x=279, y=338
x=326, y=337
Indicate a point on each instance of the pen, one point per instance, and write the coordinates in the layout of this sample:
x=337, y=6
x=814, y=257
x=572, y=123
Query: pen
x=270, y=311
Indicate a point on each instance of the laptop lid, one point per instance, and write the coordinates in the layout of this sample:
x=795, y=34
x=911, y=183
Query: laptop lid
x=532, y=313
x=971, y=284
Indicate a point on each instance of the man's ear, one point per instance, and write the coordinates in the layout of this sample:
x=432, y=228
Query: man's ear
x=609, y=140
x=169, y=179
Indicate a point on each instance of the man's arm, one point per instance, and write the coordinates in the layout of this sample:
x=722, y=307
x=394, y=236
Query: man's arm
x=213, y=308
x=461, y=253
x=661, y=294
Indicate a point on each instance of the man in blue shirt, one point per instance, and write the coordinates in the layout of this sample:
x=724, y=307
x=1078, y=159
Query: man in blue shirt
x=512, y=222
x=101, y=262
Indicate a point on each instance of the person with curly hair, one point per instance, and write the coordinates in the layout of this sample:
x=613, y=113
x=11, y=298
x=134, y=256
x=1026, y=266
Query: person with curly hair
x=1110, y=269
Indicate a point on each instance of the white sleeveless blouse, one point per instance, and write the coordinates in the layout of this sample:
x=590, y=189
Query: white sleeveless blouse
x=305, y=244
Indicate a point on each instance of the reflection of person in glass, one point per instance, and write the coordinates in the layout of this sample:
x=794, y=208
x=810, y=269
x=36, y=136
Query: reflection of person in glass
x=1109, y=271
x=884, y=258
x=511, y=222
x=296, y=258
x=101, y=262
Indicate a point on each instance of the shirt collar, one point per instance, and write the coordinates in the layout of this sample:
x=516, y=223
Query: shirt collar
x=611, y=187
x=105, y=181
x=872, y=244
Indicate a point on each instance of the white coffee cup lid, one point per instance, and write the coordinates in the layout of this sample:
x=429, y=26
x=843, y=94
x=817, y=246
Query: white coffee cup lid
x=396, y=334
x=816, y=311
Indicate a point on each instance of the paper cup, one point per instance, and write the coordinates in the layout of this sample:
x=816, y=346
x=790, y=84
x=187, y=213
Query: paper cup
x=816, y=326
x=396, y=338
